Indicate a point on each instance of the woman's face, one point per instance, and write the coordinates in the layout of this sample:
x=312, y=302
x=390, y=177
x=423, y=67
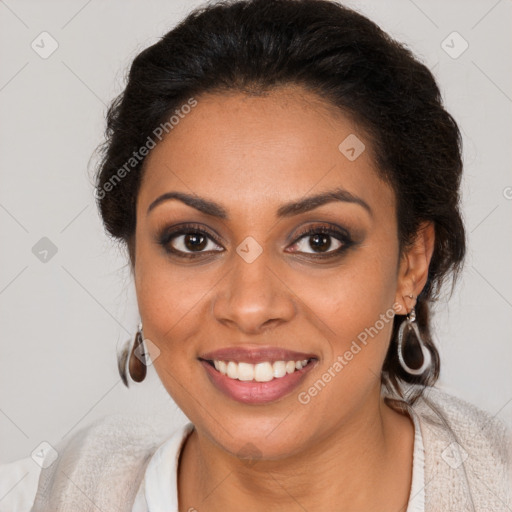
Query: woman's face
x=245, y=277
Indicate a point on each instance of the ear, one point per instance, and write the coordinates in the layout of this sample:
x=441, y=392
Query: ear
x=414, y=264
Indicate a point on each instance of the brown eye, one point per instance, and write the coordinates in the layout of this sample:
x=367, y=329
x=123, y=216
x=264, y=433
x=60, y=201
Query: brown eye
x=318, y=242
x=322, y=241
x=188, y=241
x=195, y=241
x=191, y=242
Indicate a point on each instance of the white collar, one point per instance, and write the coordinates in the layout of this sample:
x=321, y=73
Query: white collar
x=158, y=491
x=417, y=495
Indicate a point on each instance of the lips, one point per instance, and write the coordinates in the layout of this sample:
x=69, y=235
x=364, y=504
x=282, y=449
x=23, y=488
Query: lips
x=256, y=355
x=253, y=393
x=261, y=387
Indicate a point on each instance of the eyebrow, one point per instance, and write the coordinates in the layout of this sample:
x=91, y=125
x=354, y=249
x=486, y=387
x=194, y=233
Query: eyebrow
x=286, y=210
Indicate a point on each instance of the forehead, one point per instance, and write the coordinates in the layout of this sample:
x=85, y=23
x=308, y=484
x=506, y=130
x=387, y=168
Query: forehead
x=256, y=152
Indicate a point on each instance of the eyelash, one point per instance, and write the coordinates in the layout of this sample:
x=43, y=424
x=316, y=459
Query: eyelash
x=341, y=235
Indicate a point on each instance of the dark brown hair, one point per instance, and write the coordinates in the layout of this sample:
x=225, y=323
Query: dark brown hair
x=255, y=45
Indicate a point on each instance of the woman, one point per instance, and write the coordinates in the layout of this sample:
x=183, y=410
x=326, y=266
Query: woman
x=286, y=182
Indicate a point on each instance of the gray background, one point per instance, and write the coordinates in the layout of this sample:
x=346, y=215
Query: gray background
x=62, y=320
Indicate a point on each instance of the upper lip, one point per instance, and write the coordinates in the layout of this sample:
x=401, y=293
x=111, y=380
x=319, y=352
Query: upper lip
x=255, y=355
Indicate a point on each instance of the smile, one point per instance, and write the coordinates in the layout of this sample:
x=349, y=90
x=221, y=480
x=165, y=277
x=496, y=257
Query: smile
x=260, y=372
x=256, y=376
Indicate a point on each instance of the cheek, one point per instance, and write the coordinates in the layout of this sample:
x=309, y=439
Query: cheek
x=171, y=305
x=170, y=309
x=166, y=293
x=174, y=303
x=356, y=305
x=166, y=299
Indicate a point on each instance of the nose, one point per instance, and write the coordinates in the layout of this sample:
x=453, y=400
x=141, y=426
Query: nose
x=253, y=297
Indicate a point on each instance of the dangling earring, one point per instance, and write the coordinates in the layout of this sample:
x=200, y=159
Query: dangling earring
x=137, y=365
x=407, y=331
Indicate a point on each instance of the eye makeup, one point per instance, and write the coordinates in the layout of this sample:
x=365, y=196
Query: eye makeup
x=182, y=240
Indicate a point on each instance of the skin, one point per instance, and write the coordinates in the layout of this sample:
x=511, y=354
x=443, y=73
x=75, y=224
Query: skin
x=345, y=449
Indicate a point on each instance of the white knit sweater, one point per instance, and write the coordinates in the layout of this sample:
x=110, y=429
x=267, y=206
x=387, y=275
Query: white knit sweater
x=467, y=461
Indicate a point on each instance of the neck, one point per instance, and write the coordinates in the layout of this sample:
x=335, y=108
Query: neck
x=364, y=464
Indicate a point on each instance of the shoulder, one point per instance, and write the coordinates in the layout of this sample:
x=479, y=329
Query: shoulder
x=469, y=423
x=125, y=427
x=115, y=447
x=467, y=453
x=118, y=436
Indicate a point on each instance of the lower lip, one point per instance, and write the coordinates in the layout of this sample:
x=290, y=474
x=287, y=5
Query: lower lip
x=252, y=392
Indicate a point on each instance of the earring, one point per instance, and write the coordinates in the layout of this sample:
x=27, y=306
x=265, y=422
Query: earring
x=407, y=331
x=137, y=365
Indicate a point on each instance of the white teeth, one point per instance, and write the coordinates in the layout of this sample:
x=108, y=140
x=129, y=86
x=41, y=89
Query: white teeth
x=279, y=368
x=232, y=370
x=260, y=372
x=223, y=367
x=290, y=366
x=263, y=372
x=245, y=371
